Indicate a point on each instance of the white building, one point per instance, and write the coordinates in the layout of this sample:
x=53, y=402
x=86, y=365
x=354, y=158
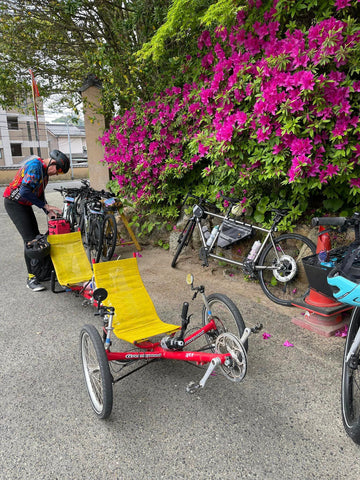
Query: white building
x=70, y=139
x=19, y=136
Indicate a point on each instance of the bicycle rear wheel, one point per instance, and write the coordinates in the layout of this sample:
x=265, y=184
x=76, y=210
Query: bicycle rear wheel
x=350, y=383
x=96, y=371
x=287, y=280
x=95, y=242
x=70, y=216
x=183, y=240
x=226, y=316
x=109, y=237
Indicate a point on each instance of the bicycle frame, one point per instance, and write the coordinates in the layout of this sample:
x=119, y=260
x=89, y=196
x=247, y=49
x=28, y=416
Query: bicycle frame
x=155, y=350
x=354, y=346
x=269, y=236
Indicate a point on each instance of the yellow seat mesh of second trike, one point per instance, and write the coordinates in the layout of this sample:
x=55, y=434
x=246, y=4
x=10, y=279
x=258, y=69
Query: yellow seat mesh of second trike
x=135, y=316
x=70, y=261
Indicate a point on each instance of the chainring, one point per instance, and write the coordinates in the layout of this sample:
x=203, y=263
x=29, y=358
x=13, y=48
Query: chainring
x=287, y=270
x=228, y=343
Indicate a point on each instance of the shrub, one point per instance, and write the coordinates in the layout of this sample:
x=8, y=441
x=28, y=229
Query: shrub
x=272, y=117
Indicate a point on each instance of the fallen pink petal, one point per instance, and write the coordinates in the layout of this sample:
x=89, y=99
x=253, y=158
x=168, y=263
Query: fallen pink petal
x=266, y=335
x=288, y=344
x=342, y=332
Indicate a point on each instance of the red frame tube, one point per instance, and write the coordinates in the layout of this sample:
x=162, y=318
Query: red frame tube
x=155, y=350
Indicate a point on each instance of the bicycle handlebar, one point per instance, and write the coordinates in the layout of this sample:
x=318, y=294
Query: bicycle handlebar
x=200, y=200
x=335, y=221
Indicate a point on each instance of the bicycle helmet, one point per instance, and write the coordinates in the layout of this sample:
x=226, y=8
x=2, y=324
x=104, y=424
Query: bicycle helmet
x=62, y=161
x=37, y=248
x=344, y=279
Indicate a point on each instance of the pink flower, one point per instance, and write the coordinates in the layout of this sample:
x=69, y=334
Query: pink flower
x=339, y=4
x=266, y=335
x=203, y=150
x=355, y=183
x=288, y=344
x=204, y=40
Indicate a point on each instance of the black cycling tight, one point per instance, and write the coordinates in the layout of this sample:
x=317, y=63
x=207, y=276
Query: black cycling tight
x=25, y=221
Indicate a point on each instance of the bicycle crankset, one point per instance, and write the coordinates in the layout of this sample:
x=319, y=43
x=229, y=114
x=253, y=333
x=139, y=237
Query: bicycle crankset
x=286, y=270
x=235, y=369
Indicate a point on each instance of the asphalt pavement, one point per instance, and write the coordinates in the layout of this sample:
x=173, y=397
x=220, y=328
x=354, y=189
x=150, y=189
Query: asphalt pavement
x=283, y=422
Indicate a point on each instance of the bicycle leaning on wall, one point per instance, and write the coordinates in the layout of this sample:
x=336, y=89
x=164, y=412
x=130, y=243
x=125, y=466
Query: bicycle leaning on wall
x=275, y=261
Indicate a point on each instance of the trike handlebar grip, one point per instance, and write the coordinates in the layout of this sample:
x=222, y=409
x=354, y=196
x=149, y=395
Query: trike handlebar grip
x=184, y=311
x=335, y=221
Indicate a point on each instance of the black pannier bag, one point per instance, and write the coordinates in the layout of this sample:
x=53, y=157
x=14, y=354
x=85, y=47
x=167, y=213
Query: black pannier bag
x=232, y=233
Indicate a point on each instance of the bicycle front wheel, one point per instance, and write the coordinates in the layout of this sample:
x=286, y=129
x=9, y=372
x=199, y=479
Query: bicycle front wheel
x=96, y=371
x=350, y=382
x=183, y=240
x=287, y=279
x=226, y=316
x=109, y=237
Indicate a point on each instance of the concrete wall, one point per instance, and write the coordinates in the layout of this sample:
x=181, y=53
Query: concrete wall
x=94, y=128
x=80, y=171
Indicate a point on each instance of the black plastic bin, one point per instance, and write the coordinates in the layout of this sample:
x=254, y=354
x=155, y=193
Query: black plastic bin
x=317, y=273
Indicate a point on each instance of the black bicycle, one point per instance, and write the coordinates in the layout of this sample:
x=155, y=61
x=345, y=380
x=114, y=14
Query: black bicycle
x=276, y=261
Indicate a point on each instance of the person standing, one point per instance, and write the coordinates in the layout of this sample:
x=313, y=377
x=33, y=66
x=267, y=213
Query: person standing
x=28, y=189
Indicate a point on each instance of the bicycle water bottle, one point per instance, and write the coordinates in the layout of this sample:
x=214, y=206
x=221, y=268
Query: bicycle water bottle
x=206, y=232
x=213, y=235
x=254, y=250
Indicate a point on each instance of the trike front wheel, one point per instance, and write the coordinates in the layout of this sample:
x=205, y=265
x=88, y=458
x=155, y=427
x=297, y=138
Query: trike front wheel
x=96, y=369
x=284, y=279
x=226, y=316
x=350, y=383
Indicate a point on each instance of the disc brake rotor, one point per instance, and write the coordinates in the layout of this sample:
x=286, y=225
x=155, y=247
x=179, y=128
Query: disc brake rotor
x=287, y=269
x=235, y=368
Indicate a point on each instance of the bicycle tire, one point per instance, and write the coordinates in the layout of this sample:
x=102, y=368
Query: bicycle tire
x=183, y=240
x=226, y=315
x=350, y=383
x=96, y=370
x=80, y=207
x=285, y=285
x=70, y=217
x=109, y=237
x=95, y=242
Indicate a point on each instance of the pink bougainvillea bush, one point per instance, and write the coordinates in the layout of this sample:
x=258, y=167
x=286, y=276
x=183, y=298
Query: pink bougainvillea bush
x=272, y=117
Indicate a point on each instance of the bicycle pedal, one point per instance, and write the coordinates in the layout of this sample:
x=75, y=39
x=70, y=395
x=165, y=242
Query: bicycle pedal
x=257, y=328
x=192, y=387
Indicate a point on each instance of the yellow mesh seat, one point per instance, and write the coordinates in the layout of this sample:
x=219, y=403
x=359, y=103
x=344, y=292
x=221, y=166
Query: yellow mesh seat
x=70, y=261
x=135, y=315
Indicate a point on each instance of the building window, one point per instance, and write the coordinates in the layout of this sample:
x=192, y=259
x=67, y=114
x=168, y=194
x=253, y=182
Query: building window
x=13, y=123
x=29, y=130
x=31, y=151
x=16, y=150
x=36, y=131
